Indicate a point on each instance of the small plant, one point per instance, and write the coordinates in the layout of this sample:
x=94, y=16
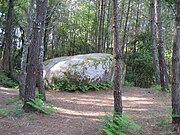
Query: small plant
x=4, y=112
x=118, y=125
x=17, y=109
x=83, y=87
x=41, y=106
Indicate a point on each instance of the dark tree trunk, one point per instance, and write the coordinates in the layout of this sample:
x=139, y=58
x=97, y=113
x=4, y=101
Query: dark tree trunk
x=117, y=60
x=34, y=68
x=162, y=62
x=175, y=71
x=100, y=22
x=154, y=45
x=107, y=33
x=7, y=43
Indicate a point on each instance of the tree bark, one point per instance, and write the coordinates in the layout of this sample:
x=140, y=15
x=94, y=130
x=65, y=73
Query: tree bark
x=100, y=21
x=154, y=44
x=41, y=16
x=125, y=29
x=7, y=43
x=162, y=62
x=175, y=71
x=22, y=75
x=34, y=66
x=117, y=60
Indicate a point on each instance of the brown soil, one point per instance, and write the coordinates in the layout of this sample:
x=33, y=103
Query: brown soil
x=78, y=113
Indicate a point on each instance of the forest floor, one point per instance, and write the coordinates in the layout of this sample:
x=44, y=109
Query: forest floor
x=79, y=113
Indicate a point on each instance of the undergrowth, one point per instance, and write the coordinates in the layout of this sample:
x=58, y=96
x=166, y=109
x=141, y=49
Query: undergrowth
x=4, y=112
x=83, y=87
x=118, y=125
x=39, y=104
x=6, y=81
x=16, y=109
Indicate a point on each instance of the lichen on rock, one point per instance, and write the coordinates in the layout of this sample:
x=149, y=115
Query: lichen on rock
x=88, y=68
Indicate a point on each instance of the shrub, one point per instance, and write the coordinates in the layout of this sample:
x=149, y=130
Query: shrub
x=139, y=62
x=7, y=81
x=83, y=87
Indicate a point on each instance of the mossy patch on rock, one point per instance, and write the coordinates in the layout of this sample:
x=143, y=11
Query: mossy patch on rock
x=87, y=68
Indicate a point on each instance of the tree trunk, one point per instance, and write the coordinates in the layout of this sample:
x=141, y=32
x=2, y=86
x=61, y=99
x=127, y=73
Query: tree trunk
x=34, y=66
x=106, y=36
x=41, y=14
x=100, y=20
x=162, y=62
x=125, y=29
x=7, y=51
x=154, y=45
x=117, y=60
x=175, y=71
x=22, y=75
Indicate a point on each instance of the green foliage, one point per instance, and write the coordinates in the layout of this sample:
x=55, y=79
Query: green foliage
x=119, y=125
x=17, y=109
x=4, y=112
x=171, y=1
x=126, y=83
x=83, y=87
x=6, y=81
x=157, y=87
x=139, y=62
x=163, y=122
x=41, y=106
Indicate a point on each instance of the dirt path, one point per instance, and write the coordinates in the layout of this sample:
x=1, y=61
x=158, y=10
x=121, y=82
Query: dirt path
x=78, y=113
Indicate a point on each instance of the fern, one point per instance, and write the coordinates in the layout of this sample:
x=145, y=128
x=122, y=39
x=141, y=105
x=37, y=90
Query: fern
x=40, y=105
x=17, y=108
x=83, y=87
x=118, y=125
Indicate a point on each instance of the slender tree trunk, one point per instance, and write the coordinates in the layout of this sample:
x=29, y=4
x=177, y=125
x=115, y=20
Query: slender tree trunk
x=106, y=37
x=154, y=45
x=162, y=62
x=175, y=70
x=117, y=60
x=34, y=54
x=41, y=12
x=7, y=51
x=122, y=13
x=22, y=75
x=103, y=22
x=100, y=20
x=125, y=29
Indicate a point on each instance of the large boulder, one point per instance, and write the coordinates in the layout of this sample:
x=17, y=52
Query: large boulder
x=87, y=68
